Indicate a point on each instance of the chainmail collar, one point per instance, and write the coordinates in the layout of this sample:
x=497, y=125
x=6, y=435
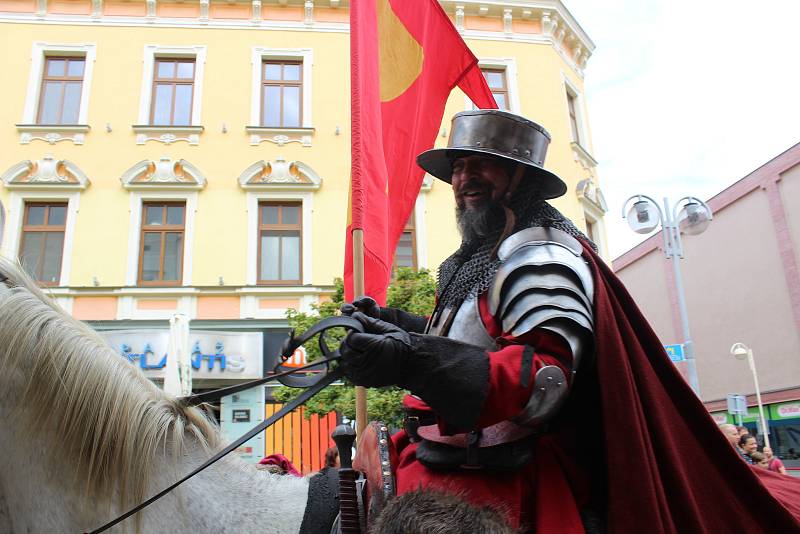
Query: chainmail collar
x=470, y=270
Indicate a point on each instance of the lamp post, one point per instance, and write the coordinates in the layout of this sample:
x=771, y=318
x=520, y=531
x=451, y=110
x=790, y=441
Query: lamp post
x=644, y=216
x=740, y=351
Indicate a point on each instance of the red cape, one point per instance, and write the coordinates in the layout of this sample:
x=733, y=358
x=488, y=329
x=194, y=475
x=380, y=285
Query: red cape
x=669, y=468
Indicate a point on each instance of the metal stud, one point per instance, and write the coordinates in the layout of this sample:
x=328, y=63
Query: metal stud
x=383, y=442
x=384, y=429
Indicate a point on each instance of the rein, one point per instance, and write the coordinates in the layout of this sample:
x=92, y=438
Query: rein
x=312, y=384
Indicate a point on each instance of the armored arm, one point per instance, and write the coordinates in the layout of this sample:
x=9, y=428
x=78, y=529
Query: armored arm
x=367, y=305
x=543, y=286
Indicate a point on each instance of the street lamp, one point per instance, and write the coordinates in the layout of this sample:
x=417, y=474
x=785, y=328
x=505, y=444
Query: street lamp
x=741, y=351
x=643, y=217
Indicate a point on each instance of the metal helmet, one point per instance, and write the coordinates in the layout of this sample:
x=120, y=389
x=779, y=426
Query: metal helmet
x=501, y=135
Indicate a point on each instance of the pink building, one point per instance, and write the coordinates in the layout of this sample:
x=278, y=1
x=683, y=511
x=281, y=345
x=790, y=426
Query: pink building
x=741, y=284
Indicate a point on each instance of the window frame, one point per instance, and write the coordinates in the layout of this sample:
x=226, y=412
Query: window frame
x=262, y=227
x=282, y=84
x=39, y=53
x=15, y=220
x=63, y=79
x=163, y=230
x=409, y=227
x=137, y=200
x=260, y=55
x=25, y=230
x=152, y=53
x=174, y=82
x=254, y=198
x=572, y=93
x=504, y=90
x=509, y=64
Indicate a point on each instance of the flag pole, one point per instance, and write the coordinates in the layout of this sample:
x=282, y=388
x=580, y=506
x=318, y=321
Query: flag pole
x=358, y=291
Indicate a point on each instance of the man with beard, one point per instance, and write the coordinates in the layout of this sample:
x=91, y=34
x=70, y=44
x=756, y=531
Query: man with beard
x=537, y=387
x=512, y=323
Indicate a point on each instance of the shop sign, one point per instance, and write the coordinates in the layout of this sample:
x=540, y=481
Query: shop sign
x=787, y=410
x=720, y=417
x=218, y=355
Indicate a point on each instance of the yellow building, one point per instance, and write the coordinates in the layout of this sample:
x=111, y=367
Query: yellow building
x=192, y=156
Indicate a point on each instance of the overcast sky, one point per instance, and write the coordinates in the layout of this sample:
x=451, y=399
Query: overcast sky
x=687, y=97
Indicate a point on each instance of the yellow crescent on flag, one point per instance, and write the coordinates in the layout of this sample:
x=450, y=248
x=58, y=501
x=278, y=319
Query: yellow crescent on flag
x=400, y=55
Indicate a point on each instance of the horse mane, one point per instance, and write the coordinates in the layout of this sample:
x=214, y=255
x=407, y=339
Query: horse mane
x=107, y=417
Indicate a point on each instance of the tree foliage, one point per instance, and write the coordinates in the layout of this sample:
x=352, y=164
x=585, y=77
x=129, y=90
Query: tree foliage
x=412, y=291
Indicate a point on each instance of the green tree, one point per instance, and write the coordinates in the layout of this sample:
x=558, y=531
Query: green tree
x=412, y=291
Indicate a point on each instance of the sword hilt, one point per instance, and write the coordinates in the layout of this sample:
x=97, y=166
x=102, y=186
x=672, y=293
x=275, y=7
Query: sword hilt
x=344, y=436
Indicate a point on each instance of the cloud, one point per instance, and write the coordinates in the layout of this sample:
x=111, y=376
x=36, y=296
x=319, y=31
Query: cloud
x=686, y=98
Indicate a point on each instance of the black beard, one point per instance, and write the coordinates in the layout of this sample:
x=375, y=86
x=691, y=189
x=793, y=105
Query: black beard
x=479, y=223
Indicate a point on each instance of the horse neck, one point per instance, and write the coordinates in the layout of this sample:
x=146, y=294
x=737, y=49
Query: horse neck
x=38, y=493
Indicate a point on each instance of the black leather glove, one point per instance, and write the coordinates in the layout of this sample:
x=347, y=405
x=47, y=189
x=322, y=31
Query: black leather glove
x=378, y=357
x=451, y=376
x=367, y=305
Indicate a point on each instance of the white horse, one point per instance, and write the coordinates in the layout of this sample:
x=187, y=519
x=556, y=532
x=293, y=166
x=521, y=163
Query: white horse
x=84, y=436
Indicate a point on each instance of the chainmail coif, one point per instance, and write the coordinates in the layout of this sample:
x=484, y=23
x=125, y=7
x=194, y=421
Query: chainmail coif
x=469, y=271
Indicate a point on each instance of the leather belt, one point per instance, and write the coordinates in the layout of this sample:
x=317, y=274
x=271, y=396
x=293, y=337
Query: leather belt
x=415, y=419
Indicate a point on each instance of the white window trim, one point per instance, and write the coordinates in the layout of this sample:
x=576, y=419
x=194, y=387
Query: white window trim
x=259, y=54
x=510, y=66
x=16, y=210
x=253, y=199
x=599, y=225
x=138, y=198
x=570, y=88
x=151, y=52
x=39, y=51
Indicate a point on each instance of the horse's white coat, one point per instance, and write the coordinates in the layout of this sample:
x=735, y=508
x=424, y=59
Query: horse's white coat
x=84, y=436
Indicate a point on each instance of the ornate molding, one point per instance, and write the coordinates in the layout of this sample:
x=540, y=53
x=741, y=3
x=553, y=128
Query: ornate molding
x=97, y=9
x=508, y=20
x=308, y=8
x=427, y=183
x=52, y=133
x=256, y=12
x=41, y=8
x=582, y=156
x=204, y=10
x=279, y=174
x=151, y=10
x=280, y=136
x=167, y=134
x=163, y=174
x=47, y=172
x=591, y=196
x=460, y=18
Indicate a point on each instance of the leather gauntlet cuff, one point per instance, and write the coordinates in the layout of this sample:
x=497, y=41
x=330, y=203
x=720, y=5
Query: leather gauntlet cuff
x=407, y=321
x=450, y=376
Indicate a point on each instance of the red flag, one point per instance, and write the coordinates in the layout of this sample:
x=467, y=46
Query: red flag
x=406, y=57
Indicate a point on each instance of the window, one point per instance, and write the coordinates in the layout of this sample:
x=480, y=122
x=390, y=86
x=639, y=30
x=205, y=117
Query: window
x=496, y=79
x=405, y=254
x=42, y=247
x=281, y=94
x=173, y=89
x=591, y=230
x=572, y=106
x=279, y=243
x=60, y=94
x=161, y=243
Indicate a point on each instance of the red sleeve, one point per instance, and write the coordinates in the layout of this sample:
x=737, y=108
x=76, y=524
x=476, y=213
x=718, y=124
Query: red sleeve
x=512, y=369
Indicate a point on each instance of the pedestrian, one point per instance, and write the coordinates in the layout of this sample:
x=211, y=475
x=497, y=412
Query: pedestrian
x=759, y=460
x=775, y=463
x=742, y=430
x=747, y=446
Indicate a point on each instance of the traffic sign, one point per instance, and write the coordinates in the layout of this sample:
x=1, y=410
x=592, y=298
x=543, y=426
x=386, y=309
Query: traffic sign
x=737, y=405
x=675, y=352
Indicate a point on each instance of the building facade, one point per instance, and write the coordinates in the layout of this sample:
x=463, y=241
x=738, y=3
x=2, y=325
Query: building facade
x=192, y=157
x=742, y=284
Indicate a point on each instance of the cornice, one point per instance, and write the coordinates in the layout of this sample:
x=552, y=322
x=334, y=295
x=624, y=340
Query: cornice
x=559, y=27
